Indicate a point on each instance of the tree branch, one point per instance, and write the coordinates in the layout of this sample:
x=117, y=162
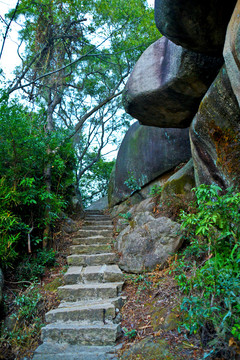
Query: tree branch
x=8, y=26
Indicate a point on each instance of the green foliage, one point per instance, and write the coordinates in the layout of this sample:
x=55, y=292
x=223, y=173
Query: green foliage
x=87, y=49
x=26, y=304
x=143, y=281
x=23, y=192
x=27, y=323
x=131, y=334
x=127, y=216
x=94, y=182
x=45, y=257
x=8, y=239
x=31, y=268
x=208, y=272
x=132, y=183
x=155, y=190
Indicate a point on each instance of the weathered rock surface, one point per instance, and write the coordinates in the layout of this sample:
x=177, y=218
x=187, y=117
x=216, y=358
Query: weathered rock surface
x=100, y=204
x=232, y=51
x=147, y=242
x=147, y=152
x=148, y=349
x=167, y=84
x=181, y=183
x=215, y=135
x=198, y=25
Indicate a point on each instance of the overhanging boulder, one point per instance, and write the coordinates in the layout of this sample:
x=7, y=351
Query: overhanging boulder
x=167, y=84
x=198, y=25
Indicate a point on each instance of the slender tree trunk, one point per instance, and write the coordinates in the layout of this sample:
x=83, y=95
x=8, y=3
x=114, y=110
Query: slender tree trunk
x=47, y=234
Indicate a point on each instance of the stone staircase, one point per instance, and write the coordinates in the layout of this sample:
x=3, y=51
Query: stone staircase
x=86, y=326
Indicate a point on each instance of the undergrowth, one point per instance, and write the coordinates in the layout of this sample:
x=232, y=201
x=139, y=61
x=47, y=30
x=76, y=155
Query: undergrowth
x=24, y=305
x=208, y=271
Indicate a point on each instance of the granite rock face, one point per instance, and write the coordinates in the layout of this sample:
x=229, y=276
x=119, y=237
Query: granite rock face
x=147, y=242
x=215, y=135
x=232, y=51
x=197, y=25
x=167, y=84
x=180, y=183
x=146, y=153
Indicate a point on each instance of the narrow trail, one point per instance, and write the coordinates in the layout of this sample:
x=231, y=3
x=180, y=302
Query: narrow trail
x=85, y=326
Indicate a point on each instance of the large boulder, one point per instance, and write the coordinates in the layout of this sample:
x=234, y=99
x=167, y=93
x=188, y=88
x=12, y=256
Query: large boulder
x=147, y=242
x=144, y=154
x=198, y=25
x=232, y=51
x=167, y=84
x=215, y=135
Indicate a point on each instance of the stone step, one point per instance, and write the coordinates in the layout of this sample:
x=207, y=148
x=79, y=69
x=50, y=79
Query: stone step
x=54, y=351
x=96, y=223
x=99, y=227
x=89, y=233
x=104, y=313
x=92, y=240
x=102, y=273
x=94, y=212
x=97, y=218
x=92, y=259
x=118, y=302
x=80, y=292
x=90, y=249
x=78, y=333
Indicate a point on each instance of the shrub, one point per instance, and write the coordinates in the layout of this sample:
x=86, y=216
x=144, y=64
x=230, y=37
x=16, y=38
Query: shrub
x=31, y=268
x=24, y=197
x=132, y=183
x=208, y=271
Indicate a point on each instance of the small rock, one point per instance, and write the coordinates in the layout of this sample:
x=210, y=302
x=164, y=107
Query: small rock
x=148, y=349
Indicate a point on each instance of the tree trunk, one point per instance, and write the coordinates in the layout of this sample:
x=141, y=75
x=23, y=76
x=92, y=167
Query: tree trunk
x=47, y=234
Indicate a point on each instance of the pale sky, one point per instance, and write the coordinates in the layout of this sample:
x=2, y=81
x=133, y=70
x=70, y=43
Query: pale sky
x=10, y=58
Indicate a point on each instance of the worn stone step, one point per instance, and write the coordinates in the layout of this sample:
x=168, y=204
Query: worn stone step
x=109, y=227
x=79, y=292
x=97, y=218
x=92, y=240
x=104, y=313
x=90, y=249
x=97, y=222
x=92, y=259
x=73, y=275
x=87, y=233
x=118, y=302
x=102, y=273
x=94, y=212
x=54, y=351
x=78, y=333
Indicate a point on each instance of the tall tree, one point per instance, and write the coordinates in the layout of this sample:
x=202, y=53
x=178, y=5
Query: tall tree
x=76, y=58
